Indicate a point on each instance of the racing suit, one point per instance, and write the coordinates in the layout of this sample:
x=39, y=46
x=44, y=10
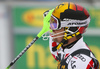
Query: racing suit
x=76, y=55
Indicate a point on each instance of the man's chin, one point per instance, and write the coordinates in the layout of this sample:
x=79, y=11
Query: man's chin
x=55, y=40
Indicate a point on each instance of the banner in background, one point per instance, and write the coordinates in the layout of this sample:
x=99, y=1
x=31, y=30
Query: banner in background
x=39, y=56
x=95, y=17
x=28, y=17
x=33, y=17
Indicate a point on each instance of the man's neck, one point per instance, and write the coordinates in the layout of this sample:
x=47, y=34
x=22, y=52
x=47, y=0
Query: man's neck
x=72, y=40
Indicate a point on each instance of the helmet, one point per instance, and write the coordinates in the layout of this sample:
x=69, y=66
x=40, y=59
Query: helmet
x=73, y=17
x=70, y=15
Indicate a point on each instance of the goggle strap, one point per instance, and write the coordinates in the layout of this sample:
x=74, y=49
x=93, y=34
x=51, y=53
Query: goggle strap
x=75, y=23
x=59, y=25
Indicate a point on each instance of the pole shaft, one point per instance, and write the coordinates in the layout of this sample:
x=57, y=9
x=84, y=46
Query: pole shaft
x=22, y=52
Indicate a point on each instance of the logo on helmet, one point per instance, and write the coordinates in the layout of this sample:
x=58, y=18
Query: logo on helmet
x=77, y=23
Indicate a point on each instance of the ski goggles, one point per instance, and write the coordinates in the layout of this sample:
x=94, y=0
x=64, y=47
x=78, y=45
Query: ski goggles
x=56, y=24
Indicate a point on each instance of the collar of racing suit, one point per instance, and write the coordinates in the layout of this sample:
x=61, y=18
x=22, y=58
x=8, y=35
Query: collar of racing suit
x=70, y=45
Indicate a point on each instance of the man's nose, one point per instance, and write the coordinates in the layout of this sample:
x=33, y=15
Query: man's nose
x=53, y=31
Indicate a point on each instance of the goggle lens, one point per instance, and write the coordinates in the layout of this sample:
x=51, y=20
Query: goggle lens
x=53, y=23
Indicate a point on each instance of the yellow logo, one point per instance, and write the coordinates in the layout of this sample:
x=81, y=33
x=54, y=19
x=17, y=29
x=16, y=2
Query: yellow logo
x=34, y=17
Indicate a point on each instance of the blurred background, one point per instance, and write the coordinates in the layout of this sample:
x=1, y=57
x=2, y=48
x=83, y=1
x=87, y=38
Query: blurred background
x=21, y=21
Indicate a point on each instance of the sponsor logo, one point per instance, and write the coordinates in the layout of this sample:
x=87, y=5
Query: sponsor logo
x=73, y=64
x=81, y=57
x=77, y=23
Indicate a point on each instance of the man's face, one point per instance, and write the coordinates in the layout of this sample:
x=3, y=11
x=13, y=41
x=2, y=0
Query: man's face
x=58, y=39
